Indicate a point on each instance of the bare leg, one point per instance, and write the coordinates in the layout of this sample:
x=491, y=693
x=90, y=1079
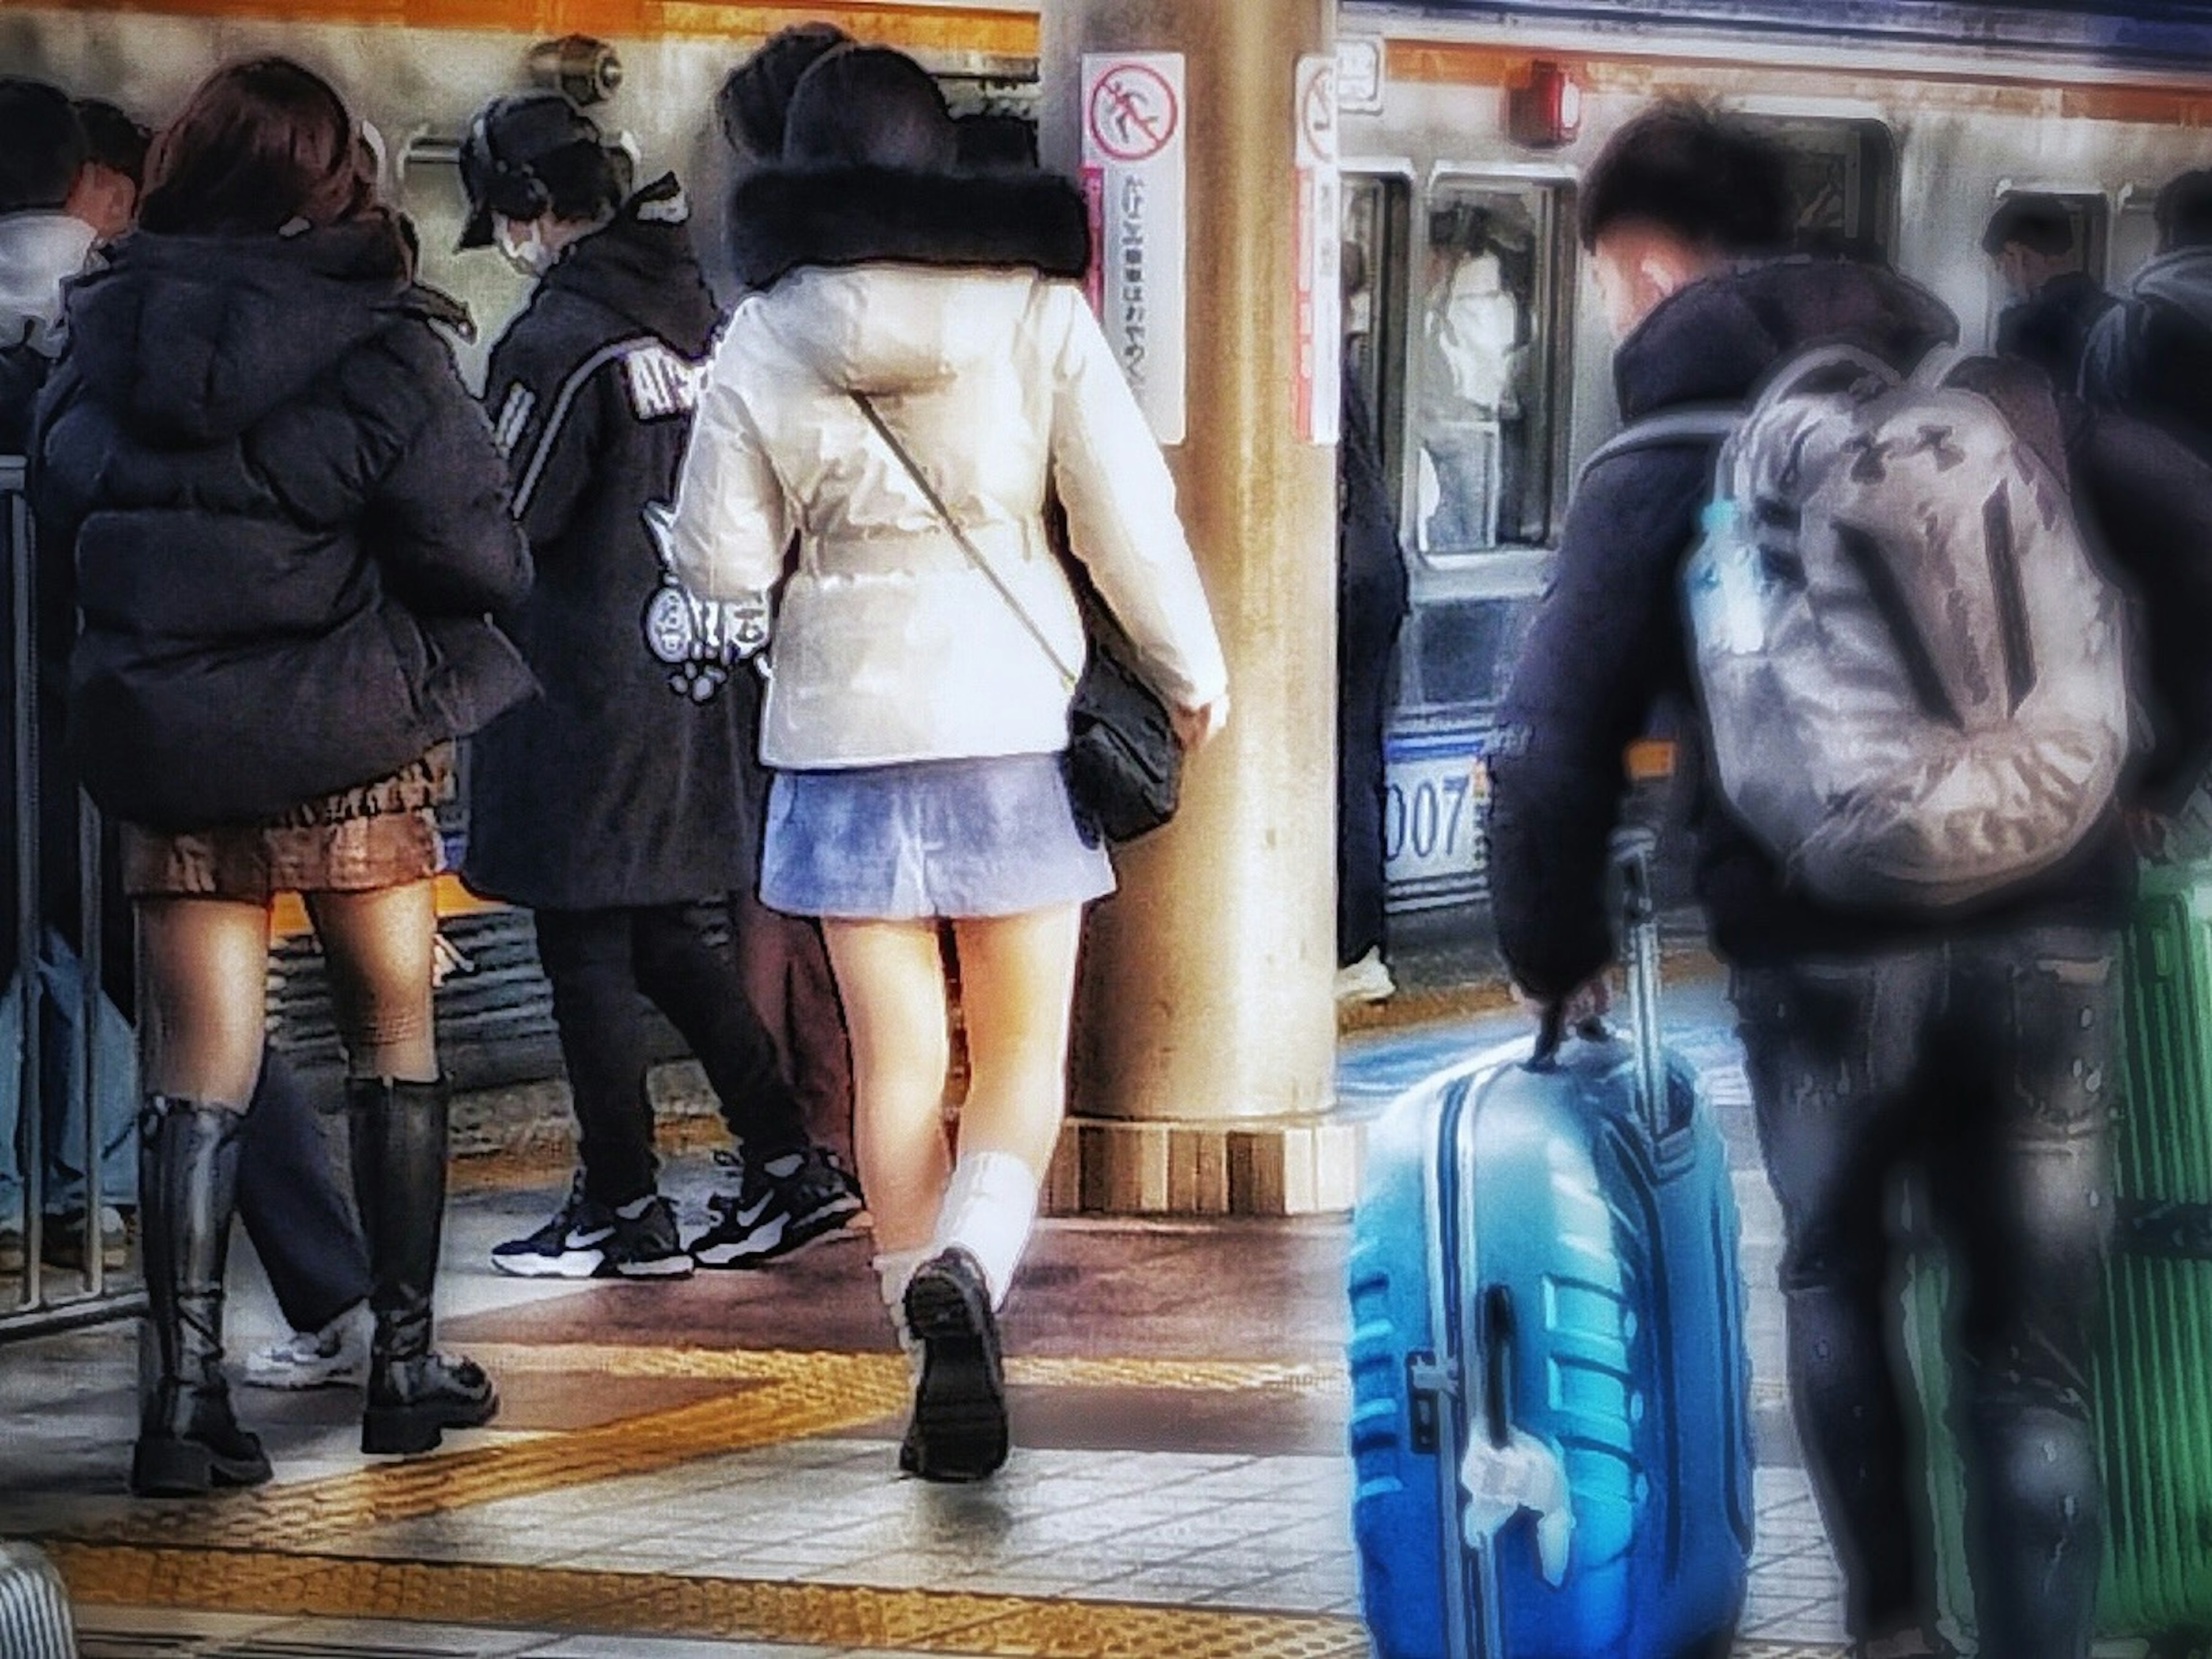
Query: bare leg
x=892, y=983
x=1016, y=986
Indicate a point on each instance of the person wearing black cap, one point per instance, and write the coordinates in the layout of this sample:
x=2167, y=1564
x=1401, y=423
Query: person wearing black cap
x=614, y=805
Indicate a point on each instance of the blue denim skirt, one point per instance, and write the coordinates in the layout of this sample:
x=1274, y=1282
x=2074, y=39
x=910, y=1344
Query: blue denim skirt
x=994, y=837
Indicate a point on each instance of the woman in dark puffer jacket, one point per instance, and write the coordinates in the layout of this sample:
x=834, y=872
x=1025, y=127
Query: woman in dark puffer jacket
x=290, y=526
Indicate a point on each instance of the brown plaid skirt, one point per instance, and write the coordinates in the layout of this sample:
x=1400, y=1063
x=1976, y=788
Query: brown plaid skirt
x=373, y=836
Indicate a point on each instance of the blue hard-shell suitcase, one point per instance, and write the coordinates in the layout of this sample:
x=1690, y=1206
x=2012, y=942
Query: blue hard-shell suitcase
x=1550, y=1384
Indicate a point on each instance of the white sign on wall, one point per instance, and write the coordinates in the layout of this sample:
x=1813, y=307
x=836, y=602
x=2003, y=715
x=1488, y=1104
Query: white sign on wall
x=1135, y=122
x=1320, y=248
x=1359, y=75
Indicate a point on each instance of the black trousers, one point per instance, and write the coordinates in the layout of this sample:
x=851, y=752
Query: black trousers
x=1364, y=677
x=1982, y=1066
x=605, y=966
x=295, y=1210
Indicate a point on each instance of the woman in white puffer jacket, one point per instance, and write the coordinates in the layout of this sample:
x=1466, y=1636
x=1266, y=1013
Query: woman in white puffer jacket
x=914, y=720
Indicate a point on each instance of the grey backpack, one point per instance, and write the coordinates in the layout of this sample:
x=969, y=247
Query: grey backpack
x=1913, y=673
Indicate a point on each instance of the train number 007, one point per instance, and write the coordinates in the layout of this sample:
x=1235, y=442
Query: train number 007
x=1433, y=819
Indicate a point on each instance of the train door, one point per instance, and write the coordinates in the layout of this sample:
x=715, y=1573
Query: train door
x=1459, y=340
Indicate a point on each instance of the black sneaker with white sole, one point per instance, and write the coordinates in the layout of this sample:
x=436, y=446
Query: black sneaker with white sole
x=590, y=1240
x=779, y=1206
x=958, y=1432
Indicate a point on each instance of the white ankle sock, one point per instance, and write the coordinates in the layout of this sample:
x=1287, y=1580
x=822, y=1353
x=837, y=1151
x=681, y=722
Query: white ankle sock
x=893, y=1269
x=990, y=1206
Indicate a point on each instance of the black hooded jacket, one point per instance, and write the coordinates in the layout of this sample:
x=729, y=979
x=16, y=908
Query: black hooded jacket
x=289, y=522
x=624, y=784
x=1609, y=645
x=2052, y=330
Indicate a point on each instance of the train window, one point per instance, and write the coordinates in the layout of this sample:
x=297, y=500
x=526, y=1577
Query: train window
x=1844, y=175
x=1489, y=363
x=2132, y=242
x=1378, y=210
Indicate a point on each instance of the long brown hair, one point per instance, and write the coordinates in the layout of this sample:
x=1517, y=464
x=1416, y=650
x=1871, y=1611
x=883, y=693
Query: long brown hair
x=258, y=145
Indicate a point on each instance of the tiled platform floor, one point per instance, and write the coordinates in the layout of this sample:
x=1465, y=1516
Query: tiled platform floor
x=708, y=1468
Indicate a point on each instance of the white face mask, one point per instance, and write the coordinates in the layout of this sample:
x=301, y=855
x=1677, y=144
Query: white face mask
x=522, y=246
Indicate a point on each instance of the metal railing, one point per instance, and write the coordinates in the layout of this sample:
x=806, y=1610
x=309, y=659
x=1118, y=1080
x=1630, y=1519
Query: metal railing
x=35, y=1309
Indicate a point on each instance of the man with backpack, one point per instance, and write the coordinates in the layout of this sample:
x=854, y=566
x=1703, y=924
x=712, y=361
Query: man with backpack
x=1911, y=847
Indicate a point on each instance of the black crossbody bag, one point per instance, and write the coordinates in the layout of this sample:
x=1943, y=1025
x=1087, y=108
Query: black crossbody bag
x=1122, y=763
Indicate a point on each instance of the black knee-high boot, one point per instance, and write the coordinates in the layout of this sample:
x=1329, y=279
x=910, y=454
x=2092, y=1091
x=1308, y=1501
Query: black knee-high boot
x=415, y=1395
x=188, y=1441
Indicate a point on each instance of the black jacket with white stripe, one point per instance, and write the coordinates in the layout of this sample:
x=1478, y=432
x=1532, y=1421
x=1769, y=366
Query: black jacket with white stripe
x=623, y=784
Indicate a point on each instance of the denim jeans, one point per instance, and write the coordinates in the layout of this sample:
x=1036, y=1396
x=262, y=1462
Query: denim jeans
x=63, y=1094
x=1981, y=1066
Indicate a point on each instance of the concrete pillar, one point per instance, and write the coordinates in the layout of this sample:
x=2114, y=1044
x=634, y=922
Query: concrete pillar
x=1206, y=1026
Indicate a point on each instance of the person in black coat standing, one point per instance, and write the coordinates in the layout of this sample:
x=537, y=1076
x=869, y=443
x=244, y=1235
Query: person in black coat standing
x=289, y=523
x=1373, y=596
x=615, y=807
x=2055, y=305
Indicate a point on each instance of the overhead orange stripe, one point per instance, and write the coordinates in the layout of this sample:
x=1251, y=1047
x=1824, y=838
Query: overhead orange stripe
x=949, y=28
x=1452, y=63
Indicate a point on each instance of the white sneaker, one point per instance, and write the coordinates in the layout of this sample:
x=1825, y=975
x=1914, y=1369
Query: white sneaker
x=1365, y=980
x=335, y=1357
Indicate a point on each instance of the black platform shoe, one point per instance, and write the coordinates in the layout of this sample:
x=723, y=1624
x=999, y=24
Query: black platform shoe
x=958, y=1432
x=188, y=1441
x=415, y=1395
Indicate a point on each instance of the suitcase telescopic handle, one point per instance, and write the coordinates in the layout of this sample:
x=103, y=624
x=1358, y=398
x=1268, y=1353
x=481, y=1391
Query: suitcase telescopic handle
x=1632, y=852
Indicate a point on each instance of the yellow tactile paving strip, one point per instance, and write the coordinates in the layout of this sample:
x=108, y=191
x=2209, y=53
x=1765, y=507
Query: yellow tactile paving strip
x=280, y=1552
x=779, y=1396
x=798, y=1396
x=718, y=1364
x=269, y=1583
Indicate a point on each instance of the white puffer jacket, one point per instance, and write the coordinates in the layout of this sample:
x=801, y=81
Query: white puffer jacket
x=888, y=645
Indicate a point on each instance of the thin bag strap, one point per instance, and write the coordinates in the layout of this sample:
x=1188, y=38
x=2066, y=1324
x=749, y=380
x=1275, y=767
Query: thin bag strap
x=875, y=419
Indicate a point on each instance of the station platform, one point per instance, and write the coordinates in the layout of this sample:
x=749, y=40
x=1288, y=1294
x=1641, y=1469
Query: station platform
x=708, y=1467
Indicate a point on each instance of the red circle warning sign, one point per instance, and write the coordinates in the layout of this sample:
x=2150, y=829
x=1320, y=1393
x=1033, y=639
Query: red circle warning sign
x=1317, y=114
x=1133, y=112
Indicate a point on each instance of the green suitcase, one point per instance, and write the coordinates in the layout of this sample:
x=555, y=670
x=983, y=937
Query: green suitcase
x=2153, y=1375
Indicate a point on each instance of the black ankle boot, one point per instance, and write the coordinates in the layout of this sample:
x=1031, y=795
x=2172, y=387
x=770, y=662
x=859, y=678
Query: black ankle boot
x=415, y=1395
x=959, y=1429
x=188, y=1441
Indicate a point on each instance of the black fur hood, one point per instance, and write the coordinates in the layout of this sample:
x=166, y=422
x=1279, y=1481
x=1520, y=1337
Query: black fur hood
x=783, y=219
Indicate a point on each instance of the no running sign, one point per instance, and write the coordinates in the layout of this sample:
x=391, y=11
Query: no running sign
x=1134, y=114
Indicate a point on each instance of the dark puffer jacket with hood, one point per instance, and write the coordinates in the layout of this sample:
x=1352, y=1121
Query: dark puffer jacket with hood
x=1609, y=646
x=289, y=523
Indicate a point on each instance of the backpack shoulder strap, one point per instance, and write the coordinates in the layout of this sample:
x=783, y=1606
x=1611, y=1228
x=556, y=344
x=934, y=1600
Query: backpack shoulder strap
x=1692, y=424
